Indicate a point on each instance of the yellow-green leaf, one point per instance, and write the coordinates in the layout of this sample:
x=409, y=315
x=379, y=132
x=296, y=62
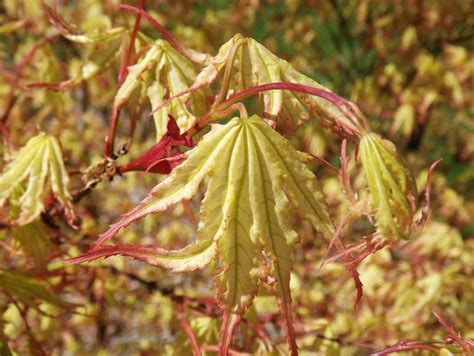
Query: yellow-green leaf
x=253, y=64
x=39, y=159
x=391, y=185
x=257, y=182
x=170, y=74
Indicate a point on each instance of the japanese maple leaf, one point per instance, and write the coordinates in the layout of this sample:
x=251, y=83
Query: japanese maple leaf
x=257, y=181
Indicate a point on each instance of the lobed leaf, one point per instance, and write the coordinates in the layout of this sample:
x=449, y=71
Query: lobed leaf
x=257, y=182
x=253, y=64
x=237, y=247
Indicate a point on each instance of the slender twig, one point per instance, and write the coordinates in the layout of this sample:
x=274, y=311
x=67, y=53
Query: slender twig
x=189, y=332
x=356, y=121
x=407, y=345
x=306, y=89
x=24, y=318
x=19, y=68
x=110, y=138
x=466, y=345
x=186, y=52
x=126, y=60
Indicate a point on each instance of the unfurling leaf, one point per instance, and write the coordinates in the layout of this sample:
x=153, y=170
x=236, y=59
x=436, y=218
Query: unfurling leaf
x=28, y=290
x=160, y=158
x=256, y=182
x=161, y=73
x=38, y=160
x=391, y=185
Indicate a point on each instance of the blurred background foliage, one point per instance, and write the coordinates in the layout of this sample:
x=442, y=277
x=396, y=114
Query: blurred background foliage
x=409, y=65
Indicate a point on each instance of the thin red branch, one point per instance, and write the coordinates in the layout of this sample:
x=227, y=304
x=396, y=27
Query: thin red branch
x=128, y=56
x=188, y=211
x=301, y=88
x=110, y=138
x=24, y=318
x=229, y=323
x=353, y=122
x=187, y=328
x=466, y=345
x=30, y=54
x=406, y=345
x=125, y=62
x=363, y=243
x=186, y=52
x=285, y=309
x=243, y=94
x=19, y=68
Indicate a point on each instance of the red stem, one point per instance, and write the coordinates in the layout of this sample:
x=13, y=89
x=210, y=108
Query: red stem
x=24, y=318
x=406, y=346
x=306, y=89
x=110, y=139
x=165, y=33
x=187, y=328
x=19, y=71
x=285, y=310
x=452, y=333
x=126, y=62
x=230, y=321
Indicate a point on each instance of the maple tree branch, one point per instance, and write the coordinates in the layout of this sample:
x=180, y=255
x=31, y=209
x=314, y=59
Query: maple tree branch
x=128, y=54
x=465, y=344
x=24, y=317
x=18, y=69
x=123, y=71
x=189, y=332
x=110, y=138
x=186, y=52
